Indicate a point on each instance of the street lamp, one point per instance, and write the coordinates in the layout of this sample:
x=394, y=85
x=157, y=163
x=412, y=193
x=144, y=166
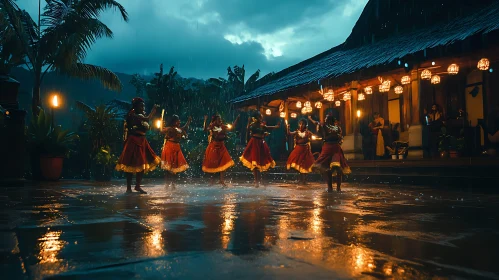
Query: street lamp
x=54, y=104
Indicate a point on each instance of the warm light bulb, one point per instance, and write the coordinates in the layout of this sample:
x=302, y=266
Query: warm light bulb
x=158, y=123
x=298, y=104
x=282, y=114
x=358, y=113
x=229, y=126
x=293, y=115
x=55, y=101
x=268, y=112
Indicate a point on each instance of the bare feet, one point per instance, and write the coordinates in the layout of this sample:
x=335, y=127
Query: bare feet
x=129, y=190
x=140, y=190
x=338, y=189
x=223, y=184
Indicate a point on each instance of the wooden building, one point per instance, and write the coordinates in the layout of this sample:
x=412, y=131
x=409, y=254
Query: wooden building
x=423, y=52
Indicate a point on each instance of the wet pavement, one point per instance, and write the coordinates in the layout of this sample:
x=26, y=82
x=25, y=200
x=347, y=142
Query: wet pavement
x=87, y=230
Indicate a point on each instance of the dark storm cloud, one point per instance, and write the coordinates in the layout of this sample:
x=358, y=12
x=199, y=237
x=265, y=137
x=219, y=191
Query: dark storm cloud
x=202, y=38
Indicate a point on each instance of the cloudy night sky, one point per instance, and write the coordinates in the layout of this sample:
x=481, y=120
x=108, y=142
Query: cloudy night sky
x=201, y=38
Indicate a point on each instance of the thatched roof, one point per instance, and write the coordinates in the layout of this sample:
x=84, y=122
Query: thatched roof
x=340, y=61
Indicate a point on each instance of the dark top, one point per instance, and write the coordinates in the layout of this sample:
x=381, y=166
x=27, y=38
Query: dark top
x=137, y=124
x=331, y=133
x=258, y=128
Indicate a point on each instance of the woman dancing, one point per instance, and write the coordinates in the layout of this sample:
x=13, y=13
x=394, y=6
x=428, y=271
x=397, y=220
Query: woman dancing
x=216, y=157
x=257, y=156
x=137, y=157
x=301, y=157
x=331, y=162
x=172, y=158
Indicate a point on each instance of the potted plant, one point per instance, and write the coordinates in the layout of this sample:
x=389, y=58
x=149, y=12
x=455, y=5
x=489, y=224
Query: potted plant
x=49, y=146
x=105, y=162
x=448, y=145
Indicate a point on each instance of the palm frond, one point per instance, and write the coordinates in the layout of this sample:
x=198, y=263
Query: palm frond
x=251, y=81
x=87, y=109
x=87, y=71
x=93, y=8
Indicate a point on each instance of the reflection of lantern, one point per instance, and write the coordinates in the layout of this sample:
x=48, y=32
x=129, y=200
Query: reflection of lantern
x=398, y=89
x=361, y=97
x=426, y=74
x=268, y=112
x=308, y=104
x=453, y=69
x=282, y=114
x=318, y=104
x=347, y=96
x=368, y=90
x=337, y=103
x=405, y=80
x=385, y=86
x=435, y=79
x=293, y=115
x=309, y=109
x=298, y=104
x=329, y=96
x=483, y=64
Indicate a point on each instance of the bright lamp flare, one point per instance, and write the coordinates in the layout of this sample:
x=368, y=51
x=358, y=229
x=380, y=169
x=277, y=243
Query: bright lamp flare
x=329, y=96
x=298, y=104
x=268, y=112
x=293, y=115
x=361, y=97
x=347, y=96
x=405, y=80
x=55, y=101
x=304, y=110
x=483, y=64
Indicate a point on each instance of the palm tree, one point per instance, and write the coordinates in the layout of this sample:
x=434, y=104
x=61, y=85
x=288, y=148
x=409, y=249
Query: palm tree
x=70, y=28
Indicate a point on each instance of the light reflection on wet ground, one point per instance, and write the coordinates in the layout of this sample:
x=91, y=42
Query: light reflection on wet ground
x=83, y=230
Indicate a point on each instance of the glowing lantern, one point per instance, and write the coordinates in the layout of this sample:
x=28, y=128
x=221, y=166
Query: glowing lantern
x=298, y=104
x=55, y=101
x=309, y=109
x=268, y=112
x=453, y=69
x=368, y=90
x=405, y=80
x=426, y=74
x=385, y=86
x=361, y=97
x=318, y=104
x=308, y=104
x=158, y=124
x=337, y=103
x=435, y=79
x=282, y=114
x=398, y=89
x=329, y=96
x=483, y=64
x=304, y=110
x=293, y=115
x=347, y=96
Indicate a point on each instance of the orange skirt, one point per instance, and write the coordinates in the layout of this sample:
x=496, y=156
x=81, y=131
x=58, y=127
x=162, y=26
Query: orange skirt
x=172, y=159
x=257, y=155
x=216, y=158
x=332, y=159
x=301, y=159
x=137, y=156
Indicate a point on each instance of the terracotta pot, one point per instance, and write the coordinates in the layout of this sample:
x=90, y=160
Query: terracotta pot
x=51, y=167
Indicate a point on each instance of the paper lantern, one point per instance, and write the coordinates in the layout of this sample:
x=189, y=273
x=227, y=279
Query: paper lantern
x=298, y=104
x=318, y=104
x=453, y=69
x=361, y=97
x=385, y=86
x=337, y=103
x=405, y=80
x=398, y=89
x=435, y=79
x=347, y=96
x=268, y=112
x=368, y=90
x=329, y=96
x=483, y=64
x=309, y=109
x=293, y=115
x=304, y=110
x=426, y=74
x=282, y=114
x=308, y=104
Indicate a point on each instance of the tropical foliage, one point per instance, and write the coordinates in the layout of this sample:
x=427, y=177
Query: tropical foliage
x=60, y=41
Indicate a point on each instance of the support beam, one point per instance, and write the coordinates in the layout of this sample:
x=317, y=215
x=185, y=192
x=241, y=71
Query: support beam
x=352, y=142
x=416, y=128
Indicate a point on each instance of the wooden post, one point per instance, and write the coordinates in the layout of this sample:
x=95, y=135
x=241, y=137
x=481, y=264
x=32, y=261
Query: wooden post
x=416, y=128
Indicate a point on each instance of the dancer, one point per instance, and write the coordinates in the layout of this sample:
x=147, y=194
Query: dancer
x=331, y=162
x=137, y=156
x=257, y=156
x=216, y=157
x=301, y=157
x=172, y=159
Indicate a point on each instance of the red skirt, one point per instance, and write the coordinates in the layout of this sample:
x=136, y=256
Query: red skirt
x=172, y=159
x=216, y=158
x=332, y=158
x=137, y=156
x=301, y=159
x=257, y=155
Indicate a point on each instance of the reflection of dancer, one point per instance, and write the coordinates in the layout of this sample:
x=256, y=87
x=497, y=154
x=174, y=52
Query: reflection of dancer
x=216, y=157
x=301, y=157
x=257, y=156
x=331, y=162
x=172, y=158
x=137, y=156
